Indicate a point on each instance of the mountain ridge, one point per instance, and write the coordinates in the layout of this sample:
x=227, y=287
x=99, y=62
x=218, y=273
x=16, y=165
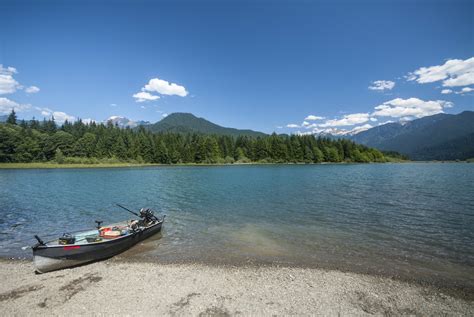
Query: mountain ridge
x=182, y=122
x=427, y=138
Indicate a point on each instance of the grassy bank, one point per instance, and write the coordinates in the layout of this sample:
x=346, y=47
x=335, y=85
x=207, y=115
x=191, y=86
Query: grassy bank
x=54, y=165
x=75, y=165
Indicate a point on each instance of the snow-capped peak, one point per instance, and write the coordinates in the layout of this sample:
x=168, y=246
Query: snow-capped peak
x=124, y=122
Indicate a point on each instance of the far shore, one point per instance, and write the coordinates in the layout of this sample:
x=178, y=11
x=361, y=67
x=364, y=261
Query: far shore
x=131, y=288
x=51, y=165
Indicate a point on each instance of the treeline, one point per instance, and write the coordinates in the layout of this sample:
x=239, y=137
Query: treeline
x=34, y=141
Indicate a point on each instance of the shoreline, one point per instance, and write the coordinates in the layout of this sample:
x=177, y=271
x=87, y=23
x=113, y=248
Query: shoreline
x=464, y=292
x=190, y=289
x=132, y=165
x=6, y=166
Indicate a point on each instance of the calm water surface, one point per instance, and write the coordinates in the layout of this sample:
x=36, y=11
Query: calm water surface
x=409, y=220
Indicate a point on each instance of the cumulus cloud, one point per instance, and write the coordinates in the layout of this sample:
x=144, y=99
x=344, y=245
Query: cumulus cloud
x=446, y=91
x=360, y=128
x=165, y=88
x=346, y=120
x=6, y=106
x=8, y=70
x=62, y=116
x=292, y=125
x=8, y=84
x=88, y=121
x=32, y=90
x=59, y=116
x=382, y=85
x=310, y=126
x=465, y=90
x=143, y=96
x=453, y=73
x=314, y=118
x=410, y=108
x=160, y=86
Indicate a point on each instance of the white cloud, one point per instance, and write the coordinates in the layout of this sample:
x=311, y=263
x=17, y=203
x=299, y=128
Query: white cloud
x=373, y=119
x=32, y=90
x=410, y=108
x=314, y=118
x=382, y=85
x=88, y=121
x=62, y=116
x=453, y=73
x=347, y=120
x=143, y=96
x=165, y=88
x=113, y=105
x=164, y=115
x=360, y=128
x=6, y=106
x=292, y=125
x=59, y=116
x=10, y=70
x=8, y=84
x=446, y=91
x=465, y=90
x=311, y=126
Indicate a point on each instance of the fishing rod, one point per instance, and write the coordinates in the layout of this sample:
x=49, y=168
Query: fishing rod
x=129, y=210
x=147, y=214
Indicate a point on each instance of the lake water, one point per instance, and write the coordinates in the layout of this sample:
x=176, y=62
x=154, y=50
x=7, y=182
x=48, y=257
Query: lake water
x=408, y=220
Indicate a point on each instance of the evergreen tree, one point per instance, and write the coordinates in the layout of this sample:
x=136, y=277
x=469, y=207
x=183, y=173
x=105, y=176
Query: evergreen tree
x=12, y=117
x=59, y=156
x=35, y=141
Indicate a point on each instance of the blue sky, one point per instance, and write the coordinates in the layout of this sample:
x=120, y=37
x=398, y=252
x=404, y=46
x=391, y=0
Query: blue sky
x=263, y=65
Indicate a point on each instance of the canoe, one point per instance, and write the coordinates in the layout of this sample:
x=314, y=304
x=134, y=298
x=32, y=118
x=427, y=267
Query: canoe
x=93, y=245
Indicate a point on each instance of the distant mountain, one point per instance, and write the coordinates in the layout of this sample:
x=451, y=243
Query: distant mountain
x=335, y=133
x=459, y=148
x=189, y=123
x=3, y=118
x=437, y=137
x=123, y=122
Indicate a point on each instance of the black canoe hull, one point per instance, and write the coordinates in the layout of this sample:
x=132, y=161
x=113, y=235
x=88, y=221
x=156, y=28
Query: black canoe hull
x=51, y=258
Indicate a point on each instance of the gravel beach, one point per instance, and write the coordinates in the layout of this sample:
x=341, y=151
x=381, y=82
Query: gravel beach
x=122, y=288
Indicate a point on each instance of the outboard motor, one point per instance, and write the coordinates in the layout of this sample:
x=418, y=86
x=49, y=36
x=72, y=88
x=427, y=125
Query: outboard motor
x=147, y=215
